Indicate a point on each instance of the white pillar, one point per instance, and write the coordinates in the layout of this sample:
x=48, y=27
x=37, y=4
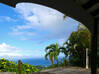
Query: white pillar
x=87, y=58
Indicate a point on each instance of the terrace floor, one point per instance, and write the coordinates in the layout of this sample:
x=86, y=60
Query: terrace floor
x=69, y=70
x=60, y=70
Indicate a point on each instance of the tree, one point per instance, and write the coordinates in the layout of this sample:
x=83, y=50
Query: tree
x=77, y=43
x=64, y=50
x=51, y=55
x=52, y=51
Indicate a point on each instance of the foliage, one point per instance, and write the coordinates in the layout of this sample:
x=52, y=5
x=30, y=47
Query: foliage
x=77, y=43
x=29, y=68
x=74, y=48
x=52, y=51
x=7, y=66
x=10, y=66
x=64, y=50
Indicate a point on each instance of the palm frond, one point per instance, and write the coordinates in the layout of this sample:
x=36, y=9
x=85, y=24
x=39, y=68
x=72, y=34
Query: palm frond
x=46, y=56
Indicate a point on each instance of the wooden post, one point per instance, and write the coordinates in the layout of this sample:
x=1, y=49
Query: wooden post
x=20, y=66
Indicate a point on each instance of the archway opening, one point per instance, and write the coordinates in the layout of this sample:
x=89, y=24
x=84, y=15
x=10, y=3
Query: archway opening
x=32, y=23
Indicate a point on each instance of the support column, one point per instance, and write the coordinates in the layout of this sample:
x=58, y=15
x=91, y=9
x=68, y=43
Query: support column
x=87, y=62
x=94, y=48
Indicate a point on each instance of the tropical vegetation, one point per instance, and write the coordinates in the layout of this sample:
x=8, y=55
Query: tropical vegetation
x=74, y=50
x=77, y=44
x=52, y=51
x=10, y=66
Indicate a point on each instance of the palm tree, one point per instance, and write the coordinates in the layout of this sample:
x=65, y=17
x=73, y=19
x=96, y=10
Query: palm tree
x=52, y=51
x=51, y=55
x=64, y=50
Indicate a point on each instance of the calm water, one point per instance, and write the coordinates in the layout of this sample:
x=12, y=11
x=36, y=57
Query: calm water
x=39, y=61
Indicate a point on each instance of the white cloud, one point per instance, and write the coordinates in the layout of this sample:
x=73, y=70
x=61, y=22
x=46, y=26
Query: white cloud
x=47, y=23
x=23, y=33
x=7, y=18
x=7, y=51
x=6, y=48
x=40, y=16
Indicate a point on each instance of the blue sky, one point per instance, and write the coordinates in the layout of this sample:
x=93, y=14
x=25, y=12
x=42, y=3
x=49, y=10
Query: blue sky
x=26, y=30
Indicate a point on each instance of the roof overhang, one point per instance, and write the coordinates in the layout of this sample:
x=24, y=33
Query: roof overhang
x=73, y=8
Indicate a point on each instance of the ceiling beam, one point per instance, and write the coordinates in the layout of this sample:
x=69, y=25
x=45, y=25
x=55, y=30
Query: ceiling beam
x=95, y=12
x=89, y=4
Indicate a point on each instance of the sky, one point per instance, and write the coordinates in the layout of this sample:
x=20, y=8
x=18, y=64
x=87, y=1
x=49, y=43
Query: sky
x=26, y=30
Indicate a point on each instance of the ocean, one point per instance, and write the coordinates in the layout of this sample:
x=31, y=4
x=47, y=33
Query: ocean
x=36, y=61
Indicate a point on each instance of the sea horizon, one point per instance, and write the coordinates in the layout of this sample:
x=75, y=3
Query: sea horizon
x=33, y=61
